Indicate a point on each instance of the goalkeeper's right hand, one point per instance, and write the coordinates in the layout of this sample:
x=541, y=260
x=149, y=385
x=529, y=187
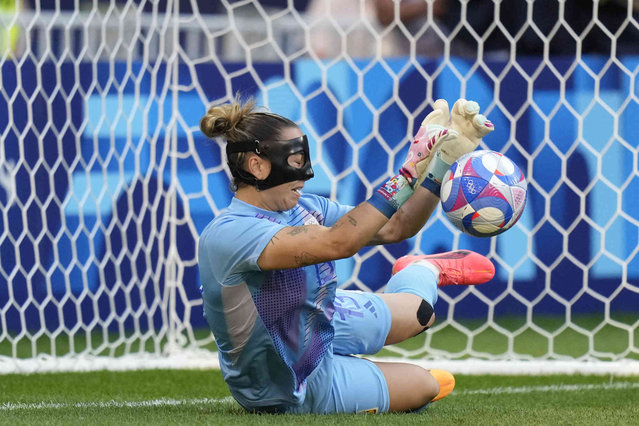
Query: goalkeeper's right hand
x=467, y=128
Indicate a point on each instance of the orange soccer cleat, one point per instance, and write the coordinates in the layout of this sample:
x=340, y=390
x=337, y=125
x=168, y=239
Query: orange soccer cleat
x=446, y=383
x=455, y=267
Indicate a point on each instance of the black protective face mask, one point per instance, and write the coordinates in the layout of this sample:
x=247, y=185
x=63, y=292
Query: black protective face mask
x=277, y=152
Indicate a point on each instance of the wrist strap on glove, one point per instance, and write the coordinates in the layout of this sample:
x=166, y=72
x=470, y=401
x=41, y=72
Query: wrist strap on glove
x=435, y=172
x=390, y=196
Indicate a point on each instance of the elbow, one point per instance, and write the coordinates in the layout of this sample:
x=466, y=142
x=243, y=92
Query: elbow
x=391, y=233
x=342, y=249
x=405, y=234
x=348, y=250
x=396, y=238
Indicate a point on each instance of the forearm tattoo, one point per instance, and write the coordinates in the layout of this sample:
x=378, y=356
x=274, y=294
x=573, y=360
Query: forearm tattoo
x=297, y=230
x=340, y=223
x=305, y=259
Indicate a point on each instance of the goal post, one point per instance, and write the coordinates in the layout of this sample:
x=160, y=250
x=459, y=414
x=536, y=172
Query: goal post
x=106, y=181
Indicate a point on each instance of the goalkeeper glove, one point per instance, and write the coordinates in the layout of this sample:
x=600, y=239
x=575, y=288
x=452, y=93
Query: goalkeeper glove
x=467, y=128
x=390, y=196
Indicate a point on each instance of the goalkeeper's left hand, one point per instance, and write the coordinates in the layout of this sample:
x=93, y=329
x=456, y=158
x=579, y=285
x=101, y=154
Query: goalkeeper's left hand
x=431, y=134
x=391, y=195
x=467, y=128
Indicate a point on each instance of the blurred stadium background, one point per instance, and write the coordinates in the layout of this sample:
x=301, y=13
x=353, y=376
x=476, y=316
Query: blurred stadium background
x=106, y=181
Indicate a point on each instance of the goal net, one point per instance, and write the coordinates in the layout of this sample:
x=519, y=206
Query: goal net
x=106, y=181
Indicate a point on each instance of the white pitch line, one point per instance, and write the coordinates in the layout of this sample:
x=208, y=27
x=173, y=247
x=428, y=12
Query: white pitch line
x=15, y=406
x=549, y=388
x=162, y=402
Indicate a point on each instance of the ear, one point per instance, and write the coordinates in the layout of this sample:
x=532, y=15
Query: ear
x=258, y=166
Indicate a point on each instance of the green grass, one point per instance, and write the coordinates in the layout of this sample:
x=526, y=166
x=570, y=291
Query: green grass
x=477, y=400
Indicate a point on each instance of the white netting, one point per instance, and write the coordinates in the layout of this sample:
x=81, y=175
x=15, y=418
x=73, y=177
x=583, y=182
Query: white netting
x=106, y=181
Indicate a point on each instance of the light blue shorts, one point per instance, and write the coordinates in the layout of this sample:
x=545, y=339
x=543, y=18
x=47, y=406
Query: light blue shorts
x=362, y=322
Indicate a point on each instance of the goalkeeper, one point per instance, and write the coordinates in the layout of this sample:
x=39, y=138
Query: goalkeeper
x=286, y=335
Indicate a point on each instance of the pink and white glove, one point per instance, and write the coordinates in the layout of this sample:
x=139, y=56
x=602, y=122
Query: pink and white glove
x=442, y=138
x=390, y=196
x=467, y=128
x=429, y=135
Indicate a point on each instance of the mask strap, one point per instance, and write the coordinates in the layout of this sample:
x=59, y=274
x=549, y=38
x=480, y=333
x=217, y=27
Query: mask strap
x=243, y=146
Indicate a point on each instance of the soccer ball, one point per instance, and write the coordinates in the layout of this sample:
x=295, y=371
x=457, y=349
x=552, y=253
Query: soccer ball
x=483, y=193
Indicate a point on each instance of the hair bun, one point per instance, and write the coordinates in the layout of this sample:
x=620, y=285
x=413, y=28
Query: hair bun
x=224, y=120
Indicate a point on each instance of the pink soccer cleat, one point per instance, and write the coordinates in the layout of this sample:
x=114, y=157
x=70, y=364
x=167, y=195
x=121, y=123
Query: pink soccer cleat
x=461, y=267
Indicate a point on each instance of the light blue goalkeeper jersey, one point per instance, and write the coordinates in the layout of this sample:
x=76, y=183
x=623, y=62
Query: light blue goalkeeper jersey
x=273, y=328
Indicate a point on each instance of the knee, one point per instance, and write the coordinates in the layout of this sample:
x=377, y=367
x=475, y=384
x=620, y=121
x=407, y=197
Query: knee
x=410, y=387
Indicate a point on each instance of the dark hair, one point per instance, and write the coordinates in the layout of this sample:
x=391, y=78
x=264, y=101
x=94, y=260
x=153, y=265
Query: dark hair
x=239, y=121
